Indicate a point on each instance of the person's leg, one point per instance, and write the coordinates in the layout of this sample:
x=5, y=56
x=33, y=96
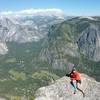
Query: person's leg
x=73, y=83
x=81, y=92
x=78, y=88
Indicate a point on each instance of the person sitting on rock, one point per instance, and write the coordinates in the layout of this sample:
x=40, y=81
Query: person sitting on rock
x=75, y=80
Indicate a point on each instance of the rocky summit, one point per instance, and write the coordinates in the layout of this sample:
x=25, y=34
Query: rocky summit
x=62, y=90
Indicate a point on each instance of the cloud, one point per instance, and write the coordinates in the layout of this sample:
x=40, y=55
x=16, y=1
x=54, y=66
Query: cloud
x=6, y=13
x=32, y=11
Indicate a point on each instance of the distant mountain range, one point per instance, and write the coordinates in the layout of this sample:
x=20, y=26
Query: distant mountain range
x=27, y=25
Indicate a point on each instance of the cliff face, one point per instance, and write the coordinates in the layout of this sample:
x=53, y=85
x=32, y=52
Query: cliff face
x=77, y=33
x=89, y=42
x=75, y=41
x=62, y=90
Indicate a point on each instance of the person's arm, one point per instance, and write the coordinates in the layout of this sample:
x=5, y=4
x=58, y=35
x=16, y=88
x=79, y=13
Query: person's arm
x=68, y=75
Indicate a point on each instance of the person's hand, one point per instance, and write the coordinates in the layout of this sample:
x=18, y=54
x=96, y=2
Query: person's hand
x=67, y=75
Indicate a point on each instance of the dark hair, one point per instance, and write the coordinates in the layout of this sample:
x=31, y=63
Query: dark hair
x=74, y=69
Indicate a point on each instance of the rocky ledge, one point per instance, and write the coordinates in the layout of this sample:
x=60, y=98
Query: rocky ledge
x=62, y=90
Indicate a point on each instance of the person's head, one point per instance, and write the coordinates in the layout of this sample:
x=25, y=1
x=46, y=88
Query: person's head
x=73, y=70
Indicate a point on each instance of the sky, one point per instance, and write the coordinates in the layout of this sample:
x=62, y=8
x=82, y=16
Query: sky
x=70, y=7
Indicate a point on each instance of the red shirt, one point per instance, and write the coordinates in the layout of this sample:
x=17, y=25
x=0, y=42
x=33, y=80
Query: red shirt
x=75, y=76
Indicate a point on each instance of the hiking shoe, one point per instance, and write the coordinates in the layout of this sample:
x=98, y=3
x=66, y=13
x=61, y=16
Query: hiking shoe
x=74, y=91
x=83, y=94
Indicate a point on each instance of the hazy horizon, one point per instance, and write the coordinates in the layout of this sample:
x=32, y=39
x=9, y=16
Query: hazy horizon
x=70, y=7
